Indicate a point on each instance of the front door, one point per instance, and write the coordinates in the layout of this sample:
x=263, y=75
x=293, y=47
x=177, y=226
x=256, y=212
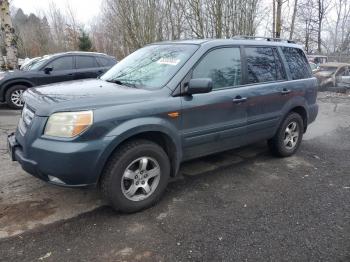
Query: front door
x=215, y=121
x=62, y=70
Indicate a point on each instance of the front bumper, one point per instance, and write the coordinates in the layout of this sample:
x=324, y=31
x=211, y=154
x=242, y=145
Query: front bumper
x=61, y=163
x=16, y=154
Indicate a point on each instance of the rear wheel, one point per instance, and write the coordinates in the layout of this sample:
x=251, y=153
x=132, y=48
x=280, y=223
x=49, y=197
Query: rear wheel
x=136, y=176
x=288, y=137
x=14, y=96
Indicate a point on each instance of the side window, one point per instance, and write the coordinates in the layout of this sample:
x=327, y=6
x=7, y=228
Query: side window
x=222, y=65
x=341, y=72
x=297, y=63
x=104, y=61
x=62, y=63
x=85, y=62
x=347, y=73
x=263, y=65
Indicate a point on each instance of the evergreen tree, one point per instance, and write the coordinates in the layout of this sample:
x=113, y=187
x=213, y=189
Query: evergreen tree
x=84, y=42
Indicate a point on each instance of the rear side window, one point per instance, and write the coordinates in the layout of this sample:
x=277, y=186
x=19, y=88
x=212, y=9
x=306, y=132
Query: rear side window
x=222, y=65
x=86, y=62
x=103, y=61
x=297, y=63
x=62, y=63
x=263, y=65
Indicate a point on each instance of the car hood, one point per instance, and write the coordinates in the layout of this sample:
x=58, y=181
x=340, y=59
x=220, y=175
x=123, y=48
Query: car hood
x=82, y=95
x=7, y=75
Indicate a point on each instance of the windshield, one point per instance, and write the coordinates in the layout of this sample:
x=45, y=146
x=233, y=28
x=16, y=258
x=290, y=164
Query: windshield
x=29, y=64
x=328, y=69
x=150, y=67
x=39, y=63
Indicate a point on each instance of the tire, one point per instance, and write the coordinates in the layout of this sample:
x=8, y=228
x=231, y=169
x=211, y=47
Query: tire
x=277, y=144
x=13, y=96
x=116, y=184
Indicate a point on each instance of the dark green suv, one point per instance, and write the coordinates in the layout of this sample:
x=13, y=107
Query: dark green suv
x=129, y=130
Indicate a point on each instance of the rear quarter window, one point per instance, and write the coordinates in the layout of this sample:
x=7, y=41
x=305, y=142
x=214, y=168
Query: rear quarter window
x=297, y=63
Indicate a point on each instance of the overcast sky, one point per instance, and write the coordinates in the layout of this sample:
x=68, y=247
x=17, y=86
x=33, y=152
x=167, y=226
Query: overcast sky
x=84, y=9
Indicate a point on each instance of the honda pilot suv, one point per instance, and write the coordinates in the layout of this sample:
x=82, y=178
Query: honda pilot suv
x=128, y=131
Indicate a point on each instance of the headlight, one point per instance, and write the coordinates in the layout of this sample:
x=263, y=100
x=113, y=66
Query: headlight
x=68, y=124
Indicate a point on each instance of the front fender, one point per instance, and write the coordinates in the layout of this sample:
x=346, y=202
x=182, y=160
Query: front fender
x=137, y=126
x=7, y=83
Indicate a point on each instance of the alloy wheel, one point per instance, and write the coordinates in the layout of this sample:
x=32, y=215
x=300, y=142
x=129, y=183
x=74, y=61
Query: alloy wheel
x=16, y=97
x=140, y=179
x=291, y=135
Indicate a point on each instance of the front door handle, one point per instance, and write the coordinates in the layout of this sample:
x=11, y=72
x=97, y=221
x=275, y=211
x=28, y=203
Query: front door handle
x=285, y=91
x=239, y=99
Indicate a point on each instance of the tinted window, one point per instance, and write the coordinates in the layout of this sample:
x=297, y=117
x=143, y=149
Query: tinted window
x=103, y=61
x=85, y=62
x=222, y=65
x=62, y=63
x=297, y=62
x=263, y=65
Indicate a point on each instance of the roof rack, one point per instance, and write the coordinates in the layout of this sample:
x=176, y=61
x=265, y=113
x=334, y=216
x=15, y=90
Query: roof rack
x=272, y=39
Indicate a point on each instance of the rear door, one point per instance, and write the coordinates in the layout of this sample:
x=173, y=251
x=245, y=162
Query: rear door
x=87, y=67
x=265, y=78
x=215, y=121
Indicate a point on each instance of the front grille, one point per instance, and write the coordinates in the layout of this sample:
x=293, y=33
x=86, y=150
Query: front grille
x=26, y=119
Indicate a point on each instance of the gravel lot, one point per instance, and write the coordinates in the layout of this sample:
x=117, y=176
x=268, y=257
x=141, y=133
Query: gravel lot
x=241, y=205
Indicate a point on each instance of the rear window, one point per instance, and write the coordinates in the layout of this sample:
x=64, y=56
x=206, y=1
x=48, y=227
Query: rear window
x=263, y=65
x=297, y=63
x=85, y=62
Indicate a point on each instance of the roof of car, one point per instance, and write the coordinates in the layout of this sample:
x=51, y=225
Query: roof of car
x=79, y=53
x=243, y=41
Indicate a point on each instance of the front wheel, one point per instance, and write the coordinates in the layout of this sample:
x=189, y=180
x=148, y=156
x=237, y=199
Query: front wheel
x=288, y=137
x=14, y=96
x=136, y=176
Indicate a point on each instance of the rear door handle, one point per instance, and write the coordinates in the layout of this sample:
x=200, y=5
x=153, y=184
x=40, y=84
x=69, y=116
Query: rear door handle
x=285, y=91
x=239, y=99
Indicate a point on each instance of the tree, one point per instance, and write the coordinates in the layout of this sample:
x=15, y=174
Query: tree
x=8, y=34
x=295, y=10
x=84, y=42
x=322, y=6
x=279, y=18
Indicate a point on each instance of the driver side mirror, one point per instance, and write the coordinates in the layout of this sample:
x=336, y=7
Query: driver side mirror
x=48, y=70
x=199, y=86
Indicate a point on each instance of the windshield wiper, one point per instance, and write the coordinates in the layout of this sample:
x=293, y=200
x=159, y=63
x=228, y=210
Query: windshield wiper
x=120, y=82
